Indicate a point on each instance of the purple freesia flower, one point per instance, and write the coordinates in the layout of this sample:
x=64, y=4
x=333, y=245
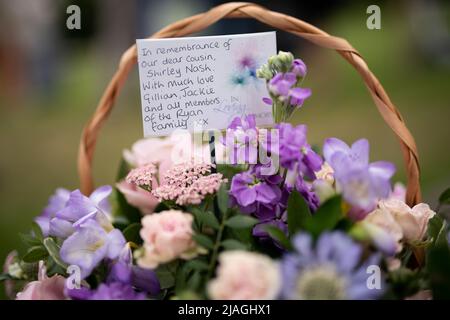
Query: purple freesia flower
x=122, y=282
x=294, y=150
x=93, y=240
x=362, y=183
x=329, y=270
x=77, y=207
x=56, y=203
x=107, y=291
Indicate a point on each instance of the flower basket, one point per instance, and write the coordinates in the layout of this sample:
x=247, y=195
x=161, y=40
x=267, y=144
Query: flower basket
x=318, y=228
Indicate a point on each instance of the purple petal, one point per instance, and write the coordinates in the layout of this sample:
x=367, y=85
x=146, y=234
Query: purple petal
x=246, y=196
x=77, y=207
x=333, y=145
x=267, y=101
x=300, y=93
x=44, y=224
x=267, y=193
x=61, y=228
x=85, y=248
x=276, y=78
x=100, y=198
x=146, y=280
x=382, y=169
x=116, y=243
x=360, y=152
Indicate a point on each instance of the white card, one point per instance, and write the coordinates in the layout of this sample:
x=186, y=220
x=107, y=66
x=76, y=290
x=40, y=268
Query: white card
x=202, y=82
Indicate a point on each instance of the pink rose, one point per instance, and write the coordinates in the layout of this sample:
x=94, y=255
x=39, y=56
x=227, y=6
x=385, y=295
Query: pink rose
x=244, y=275
x=167, y=235
x=414, y=221
x=44, y=288
x=151, y=150
x=384, y=231
x=138, y=197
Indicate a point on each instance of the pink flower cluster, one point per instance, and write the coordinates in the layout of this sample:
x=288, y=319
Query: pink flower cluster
x=142, y=176
x=189, y=183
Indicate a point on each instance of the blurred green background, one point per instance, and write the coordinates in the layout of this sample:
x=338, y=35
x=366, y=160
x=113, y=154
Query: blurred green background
x=51, y=79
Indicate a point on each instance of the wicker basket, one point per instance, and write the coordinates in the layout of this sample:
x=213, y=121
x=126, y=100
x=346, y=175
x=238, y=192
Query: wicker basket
x=277, y=20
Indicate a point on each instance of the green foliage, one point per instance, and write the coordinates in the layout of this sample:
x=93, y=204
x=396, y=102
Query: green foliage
x=123, y=212
x=166, y=274
x=205, y=218
x=300, y=218
x=326, y=217
x=438, y=266
x=298, y=213
x=278, y=235
x=241, y=222
x=222, y=199
x=203, y=241
x=436, y=230
x=131, y=233
x=34, y=254
x=231, y=244
x=53, y=250
x=404, y=282
x=444, y=198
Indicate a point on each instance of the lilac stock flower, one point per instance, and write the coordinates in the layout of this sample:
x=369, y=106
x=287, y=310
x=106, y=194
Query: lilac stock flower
x=66, y=208
x=93, y=240
x=56, y=203
x=241, y=141
x=329, y=270
x=295, y=151
x=362, y=183
x=248, y=192
x=299, y=68
x=283, y=86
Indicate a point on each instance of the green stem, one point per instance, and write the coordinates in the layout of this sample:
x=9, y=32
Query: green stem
x=215, y=252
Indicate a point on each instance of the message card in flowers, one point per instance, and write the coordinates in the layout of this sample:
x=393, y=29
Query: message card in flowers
x=200, y=83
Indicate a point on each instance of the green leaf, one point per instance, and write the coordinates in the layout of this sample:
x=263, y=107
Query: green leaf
x=124, y=168
x=438, y=266
x=298, y=213
x=444, y=198
x=194, y=281
x=326, y=217
x=436, y=230
x=203, y=240
x=166, y=274
x=53, y=250
x=231, y=244
x=121, y=209
x=196, y=265
x=6, y=276
x=131, y=233
x=37, y=231
x=35, y=254
x=206, y=218
x=222, y=199
x=29, y=240
x=241, y=222
x=278, y=235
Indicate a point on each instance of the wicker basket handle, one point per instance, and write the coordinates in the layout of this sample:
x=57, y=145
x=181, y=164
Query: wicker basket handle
x=277, y=20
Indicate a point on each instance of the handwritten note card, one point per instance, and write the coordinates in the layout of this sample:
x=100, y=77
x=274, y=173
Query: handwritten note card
x=202, y=82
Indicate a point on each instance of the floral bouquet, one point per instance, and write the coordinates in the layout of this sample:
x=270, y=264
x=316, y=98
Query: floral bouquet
x=271, y=218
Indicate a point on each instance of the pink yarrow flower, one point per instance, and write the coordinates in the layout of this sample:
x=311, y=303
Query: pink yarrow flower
x=142, y=176
x=189, y=183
